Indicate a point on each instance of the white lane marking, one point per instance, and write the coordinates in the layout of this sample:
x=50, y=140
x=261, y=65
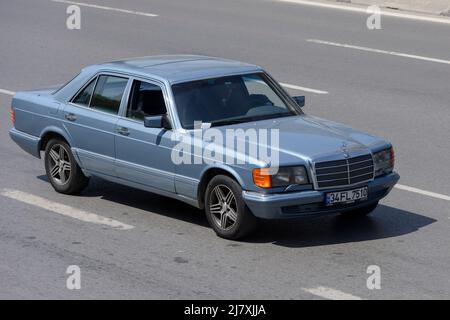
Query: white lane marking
x=7, y=92
x=332, y=294
x=292, y=86
x=423, y=192
x=63, y=209
x=392, y=53
x=347, y=7
x=139, y=13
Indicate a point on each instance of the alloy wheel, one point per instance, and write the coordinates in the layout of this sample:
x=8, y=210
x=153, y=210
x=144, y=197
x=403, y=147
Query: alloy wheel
x=59, y=164
x=223, y=207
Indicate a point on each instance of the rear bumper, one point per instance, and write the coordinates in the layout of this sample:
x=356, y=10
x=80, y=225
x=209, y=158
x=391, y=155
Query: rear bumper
x=312, y=202
x=27, y=142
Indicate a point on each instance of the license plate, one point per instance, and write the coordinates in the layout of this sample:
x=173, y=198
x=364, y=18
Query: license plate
x=347, y=196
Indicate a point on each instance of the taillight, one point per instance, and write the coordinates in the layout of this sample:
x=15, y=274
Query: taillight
x=12, y=115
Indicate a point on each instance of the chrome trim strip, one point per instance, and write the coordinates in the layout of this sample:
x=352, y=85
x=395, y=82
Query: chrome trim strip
x=327, y=174
x=346, y=178
x=344, y=165
x=360, y=175
x=361, y=161
x=341, y=165
x=361, y=168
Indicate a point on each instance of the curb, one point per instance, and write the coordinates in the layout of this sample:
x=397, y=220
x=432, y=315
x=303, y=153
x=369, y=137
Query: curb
x=442, y=9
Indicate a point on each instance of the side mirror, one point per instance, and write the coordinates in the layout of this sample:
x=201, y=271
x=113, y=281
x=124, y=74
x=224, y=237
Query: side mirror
x=161, y=121
x=300, y=100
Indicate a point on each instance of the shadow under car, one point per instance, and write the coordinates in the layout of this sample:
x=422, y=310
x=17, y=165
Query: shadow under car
x=384, y=222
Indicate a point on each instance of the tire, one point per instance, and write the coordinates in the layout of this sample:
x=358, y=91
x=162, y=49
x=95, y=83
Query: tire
x=65, y=176
x=360, y=212
x=228, y=216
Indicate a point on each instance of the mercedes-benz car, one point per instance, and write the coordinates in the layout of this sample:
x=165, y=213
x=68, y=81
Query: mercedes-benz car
x=124, y=121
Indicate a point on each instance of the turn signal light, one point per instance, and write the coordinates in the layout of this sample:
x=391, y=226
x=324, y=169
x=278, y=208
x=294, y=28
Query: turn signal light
x=392, y=157
x=262, y=178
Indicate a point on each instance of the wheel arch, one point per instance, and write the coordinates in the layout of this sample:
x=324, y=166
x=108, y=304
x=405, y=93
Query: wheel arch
x=50, y=133
x=55, y=132
x=210, y=173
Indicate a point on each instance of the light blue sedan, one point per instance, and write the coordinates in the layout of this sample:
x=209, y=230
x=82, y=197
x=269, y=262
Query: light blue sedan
x=162, y=124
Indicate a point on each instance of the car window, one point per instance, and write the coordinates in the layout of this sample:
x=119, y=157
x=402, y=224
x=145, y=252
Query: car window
x=230, y=100
x=108, y=93
x=84, y=96
x=146, y=99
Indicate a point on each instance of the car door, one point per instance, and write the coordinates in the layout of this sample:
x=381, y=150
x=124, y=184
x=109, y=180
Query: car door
x=91, y=117
x=143, y=155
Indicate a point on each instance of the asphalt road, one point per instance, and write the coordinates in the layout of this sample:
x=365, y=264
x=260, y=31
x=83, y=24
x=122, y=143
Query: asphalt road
x=171, y=253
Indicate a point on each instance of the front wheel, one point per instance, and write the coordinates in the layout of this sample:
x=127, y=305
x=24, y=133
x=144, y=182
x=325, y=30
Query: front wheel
x=226, y=210
x=62, y=170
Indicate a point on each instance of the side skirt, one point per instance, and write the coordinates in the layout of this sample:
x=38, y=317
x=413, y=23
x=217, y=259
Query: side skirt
x=191, y=201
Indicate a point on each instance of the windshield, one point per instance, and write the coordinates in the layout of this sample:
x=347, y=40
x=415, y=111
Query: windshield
x=230, y=100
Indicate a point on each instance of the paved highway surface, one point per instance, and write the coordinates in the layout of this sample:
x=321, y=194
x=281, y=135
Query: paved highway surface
x=393, y=82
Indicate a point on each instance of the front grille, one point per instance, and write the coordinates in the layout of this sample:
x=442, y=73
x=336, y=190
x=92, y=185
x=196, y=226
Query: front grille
x=344, y=172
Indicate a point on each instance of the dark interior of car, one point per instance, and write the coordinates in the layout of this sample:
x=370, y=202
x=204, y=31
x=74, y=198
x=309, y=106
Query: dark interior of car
x=146, y=100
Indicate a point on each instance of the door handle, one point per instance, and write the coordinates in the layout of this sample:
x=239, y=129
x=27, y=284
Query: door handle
x=123, y=131
x=70, y=116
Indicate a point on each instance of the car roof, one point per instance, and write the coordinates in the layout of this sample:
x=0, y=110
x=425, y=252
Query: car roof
x=180, y=68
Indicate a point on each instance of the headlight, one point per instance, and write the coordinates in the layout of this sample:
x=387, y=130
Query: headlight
x=384, y=161
x=284, y=177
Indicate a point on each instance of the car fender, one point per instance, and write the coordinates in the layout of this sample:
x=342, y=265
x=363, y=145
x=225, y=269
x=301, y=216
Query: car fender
x=65, y=135
x=227, y=168
x=57, y=130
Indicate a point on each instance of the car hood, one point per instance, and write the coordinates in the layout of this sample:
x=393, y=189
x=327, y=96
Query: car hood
x=311, y=138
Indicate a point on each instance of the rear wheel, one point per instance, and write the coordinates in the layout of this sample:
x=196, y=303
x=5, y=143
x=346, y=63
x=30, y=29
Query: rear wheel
x=225, y=209
x=361, y=212
x=62, y=170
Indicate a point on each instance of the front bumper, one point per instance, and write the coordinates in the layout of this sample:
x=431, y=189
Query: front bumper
x=312, y=202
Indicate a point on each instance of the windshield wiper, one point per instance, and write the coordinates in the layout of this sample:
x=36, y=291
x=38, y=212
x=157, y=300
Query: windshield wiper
x=255, y=118
x=227, y=122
